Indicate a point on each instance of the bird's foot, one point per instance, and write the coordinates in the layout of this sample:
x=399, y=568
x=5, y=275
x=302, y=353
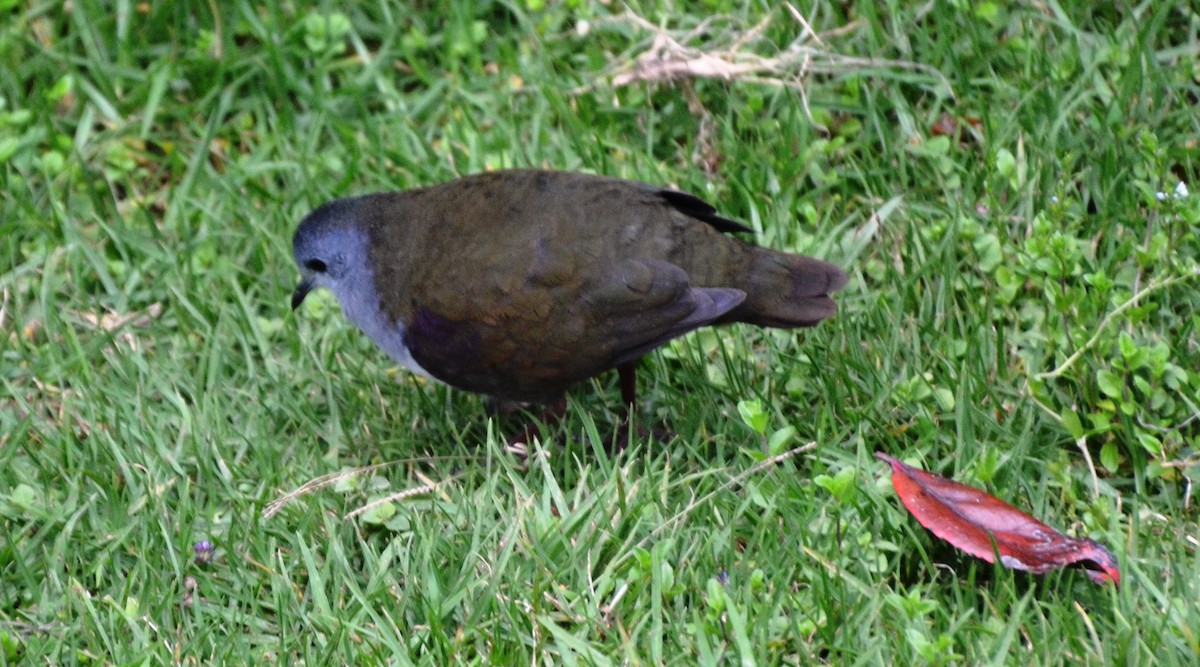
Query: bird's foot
x=627, y=431
x=536, y=429
x=541, y=428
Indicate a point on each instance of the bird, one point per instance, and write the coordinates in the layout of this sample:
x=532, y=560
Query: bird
x=519, y=284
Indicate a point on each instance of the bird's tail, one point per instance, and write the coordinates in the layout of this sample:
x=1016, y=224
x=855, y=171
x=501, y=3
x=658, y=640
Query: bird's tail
x=788, y=291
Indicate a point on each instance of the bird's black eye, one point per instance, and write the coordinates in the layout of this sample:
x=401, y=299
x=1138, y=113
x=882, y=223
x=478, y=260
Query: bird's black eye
x=315, y=265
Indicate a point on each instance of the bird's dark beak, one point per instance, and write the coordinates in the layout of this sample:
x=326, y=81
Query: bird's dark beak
x=302, y=291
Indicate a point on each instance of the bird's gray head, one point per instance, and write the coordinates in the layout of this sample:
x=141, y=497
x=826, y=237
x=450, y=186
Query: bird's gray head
x=331, y=249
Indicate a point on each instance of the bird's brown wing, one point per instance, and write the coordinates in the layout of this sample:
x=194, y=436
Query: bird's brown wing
x=532, y=353
x=645, y=303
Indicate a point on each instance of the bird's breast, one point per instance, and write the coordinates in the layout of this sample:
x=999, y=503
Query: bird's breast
x=361, y=305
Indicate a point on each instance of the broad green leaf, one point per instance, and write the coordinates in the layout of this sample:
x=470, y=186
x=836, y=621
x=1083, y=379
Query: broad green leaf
x=1110, y=383
x=1070, y=421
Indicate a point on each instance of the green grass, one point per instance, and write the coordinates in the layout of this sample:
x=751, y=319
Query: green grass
x=156, y=392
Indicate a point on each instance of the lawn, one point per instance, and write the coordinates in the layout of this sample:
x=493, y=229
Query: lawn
x=191, y=473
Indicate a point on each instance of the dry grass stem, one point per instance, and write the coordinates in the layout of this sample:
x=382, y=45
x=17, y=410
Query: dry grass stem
x=729, y=54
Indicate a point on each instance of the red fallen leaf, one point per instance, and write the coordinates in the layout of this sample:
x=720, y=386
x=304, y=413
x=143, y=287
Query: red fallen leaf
x=970, y=520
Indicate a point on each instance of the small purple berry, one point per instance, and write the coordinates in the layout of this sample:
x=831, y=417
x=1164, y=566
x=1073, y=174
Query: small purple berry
x=204, y=552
